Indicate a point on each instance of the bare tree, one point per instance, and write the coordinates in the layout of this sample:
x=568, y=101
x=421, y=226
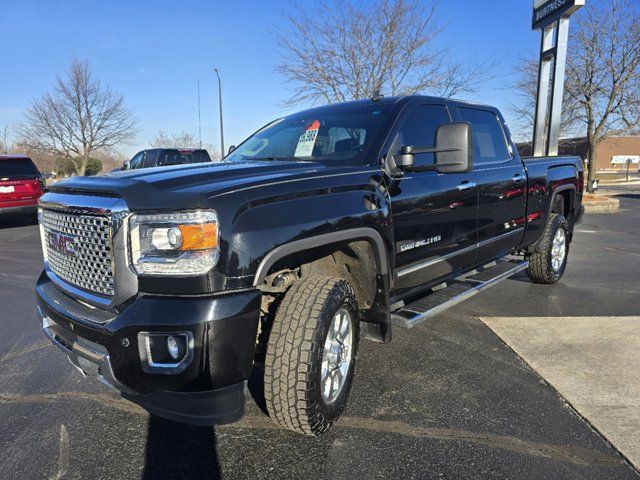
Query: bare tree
x=175, y=140
x=4, y=141
x=78, y=118
x=526, y=86
x=183, y=140
x=357, y=51
x=602, y=89
x=604, y=71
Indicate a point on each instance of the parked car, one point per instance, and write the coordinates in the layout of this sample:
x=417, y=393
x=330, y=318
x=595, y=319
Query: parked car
x=21, y=185
x=324, y=227
x=160, y=157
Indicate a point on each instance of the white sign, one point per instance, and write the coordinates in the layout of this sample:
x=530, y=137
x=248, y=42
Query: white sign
x=307, y=140
x=623, y=159
x=9, y=189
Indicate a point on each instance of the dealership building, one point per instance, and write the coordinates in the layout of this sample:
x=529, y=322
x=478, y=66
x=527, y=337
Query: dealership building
x=612, y=153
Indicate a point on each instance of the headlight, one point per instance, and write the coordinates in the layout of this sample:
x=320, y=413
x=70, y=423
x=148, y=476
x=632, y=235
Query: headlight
x=174, y=243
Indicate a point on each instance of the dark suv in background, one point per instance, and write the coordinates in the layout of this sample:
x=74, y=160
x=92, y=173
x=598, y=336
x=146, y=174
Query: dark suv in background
x=160, y=157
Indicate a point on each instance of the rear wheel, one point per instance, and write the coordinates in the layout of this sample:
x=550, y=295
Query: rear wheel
x=548, y=263
x=311, y=354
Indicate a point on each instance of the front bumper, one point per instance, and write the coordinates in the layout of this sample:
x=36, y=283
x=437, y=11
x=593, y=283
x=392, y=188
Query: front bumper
x=102, y=344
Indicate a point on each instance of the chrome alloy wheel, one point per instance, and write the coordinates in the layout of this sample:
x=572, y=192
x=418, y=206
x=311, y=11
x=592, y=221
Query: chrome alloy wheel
x=558, y=249
x=336, y=358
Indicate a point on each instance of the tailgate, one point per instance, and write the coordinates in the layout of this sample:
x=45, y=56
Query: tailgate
x=16, y=190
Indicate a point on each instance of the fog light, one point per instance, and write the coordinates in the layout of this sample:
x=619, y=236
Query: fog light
x=172, y=346
x=167, y=353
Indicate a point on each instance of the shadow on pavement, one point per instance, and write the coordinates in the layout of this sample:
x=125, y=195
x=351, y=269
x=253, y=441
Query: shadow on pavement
x=15, y=221
x=256, y=388
x=175, y=450
x=635, y=196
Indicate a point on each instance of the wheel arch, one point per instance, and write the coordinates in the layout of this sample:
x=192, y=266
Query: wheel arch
x=568, y=194
x=310, y=243
x=358, y=255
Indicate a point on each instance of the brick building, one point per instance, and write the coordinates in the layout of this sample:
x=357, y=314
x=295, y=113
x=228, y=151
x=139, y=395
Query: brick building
x=606, y=153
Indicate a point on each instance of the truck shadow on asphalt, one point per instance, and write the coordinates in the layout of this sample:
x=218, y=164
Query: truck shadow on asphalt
x=175, y=450
x=18, y=221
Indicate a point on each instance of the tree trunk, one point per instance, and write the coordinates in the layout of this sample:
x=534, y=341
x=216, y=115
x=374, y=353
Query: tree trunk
x=83, y=165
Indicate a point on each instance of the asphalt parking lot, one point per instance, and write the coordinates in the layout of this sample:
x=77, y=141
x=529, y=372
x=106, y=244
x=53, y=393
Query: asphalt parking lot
x=447, y=399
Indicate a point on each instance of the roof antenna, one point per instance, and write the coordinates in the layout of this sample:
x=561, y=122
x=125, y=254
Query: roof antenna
x=376, y=95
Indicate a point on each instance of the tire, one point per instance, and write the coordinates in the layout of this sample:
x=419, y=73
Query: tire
x=296, y=349
x=542, y=267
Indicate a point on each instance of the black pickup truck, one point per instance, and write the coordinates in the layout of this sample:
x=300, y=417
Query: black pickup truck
x=174, y=284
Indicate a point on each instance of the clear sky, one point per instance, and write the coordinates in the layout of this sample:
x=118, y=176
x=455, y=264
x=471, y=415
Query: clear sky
x=155, y=52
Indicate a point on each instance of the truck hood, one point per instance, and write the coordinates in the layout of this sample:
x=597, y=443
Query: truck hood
x=188, y=186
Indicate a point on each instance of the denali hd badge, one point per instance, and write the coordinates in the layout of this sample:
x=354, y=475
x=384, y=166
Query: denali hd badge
x=419, y=243
x=61, y=243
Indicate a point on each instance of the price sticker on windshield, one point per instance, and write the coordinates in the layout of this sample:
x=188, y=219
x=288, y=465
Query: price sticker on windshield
x=307, y=140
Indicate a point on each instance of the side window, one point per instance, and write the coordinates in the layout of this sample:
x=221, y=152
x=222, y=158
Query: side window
x=150, y=158
x=489, y=142
x=136, y=162
x=419, y=129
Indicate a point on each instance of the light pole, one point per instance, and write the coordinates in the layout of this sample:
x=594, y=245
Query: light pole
x=220, y=105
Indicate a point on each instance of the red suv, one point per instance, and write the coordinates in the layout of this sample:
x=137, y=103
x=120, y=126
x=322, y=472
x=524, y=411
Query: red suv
x=20, y=184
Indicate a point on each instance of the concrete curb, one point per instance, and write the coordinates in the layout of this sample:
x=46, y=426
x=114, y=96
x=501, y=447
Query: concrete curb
x=600, y=204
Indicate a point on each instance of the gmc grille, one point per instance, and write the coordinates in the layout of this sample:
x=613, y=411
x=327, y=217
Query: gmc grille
x=78, y=248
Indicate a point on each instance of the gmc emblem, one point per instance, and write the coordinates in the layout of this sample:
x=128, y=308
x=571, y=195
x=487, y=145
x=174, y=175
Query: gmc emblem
x=62, y=243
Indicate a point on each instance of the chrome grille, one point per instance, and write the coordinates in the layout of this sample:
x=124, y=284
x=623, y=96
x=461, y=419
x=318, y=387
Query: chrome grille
x=87, y=262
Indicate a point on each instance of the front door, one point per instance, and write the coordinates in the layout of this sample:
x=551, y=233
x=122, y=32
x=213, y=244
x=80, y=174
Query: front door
x=434, y=214
x=502, y=184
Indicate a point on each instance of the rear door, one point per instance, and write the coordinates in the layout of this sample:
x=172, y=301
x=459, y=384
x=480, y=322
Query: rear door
x=434, y=214
x=502, y=184
x=19, y=182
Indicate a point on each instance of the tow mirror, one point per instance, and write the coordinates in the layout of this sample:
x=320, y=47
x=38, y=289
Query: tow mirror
x=453, y=151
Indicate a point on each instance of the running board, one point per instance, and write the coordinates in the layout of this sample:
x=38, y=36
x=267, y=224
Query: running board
x=465, y=287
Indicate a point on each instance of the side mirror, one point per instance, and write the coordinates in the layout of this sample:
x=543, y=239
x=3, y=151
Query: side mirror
x=126, y=165
x=231, y=149
x=453, y=151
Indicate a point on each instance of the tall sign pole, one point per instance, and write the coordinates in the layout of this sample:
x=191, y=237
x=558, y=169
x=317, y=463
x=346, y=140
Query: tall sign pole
x=552, y=18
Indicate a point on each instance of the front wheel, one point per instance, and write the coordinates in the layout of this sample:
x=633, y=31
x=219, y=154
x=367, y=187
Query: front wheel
x=548, y=263
x=311, y=354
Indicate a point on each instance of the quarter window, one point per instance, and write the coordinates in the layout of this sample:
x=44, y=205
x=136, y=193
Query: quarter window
x=489, y=141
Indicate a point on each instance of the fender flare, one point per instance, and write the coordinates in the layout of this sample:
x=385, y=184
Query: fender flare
x=556, y=191
x=364, y=233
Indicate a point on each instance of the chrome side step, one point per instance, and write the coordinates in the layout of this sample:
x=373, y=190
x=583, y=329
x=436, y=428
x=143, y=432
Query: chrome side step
x=463, y=288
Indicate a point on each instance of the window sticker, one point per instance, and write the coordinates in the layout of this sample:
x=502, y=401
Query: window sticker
x=307, y=140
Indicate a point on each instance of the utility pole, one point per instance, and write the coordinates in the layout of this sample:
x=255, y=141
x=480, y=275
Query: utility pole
x=222, y=153
x=199, y=119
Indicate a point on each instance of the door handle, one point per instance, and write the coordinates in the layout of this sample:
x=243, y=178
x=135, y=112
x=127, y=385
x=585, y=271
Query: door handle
x=518, y=178
x=466, y=186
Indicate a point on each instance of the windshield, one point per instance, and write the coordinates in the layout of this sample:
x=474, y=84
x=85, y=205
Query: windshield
x=341, y=135
x=18, y=167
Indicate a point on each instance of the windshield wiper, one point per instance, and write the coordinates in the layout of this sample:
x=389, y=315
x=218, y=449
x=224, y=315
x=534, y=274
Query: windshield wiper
x=274, y=158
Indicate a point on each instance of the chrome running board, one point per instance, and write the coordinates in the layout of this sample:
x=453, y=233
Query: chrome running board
x=465, y=287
